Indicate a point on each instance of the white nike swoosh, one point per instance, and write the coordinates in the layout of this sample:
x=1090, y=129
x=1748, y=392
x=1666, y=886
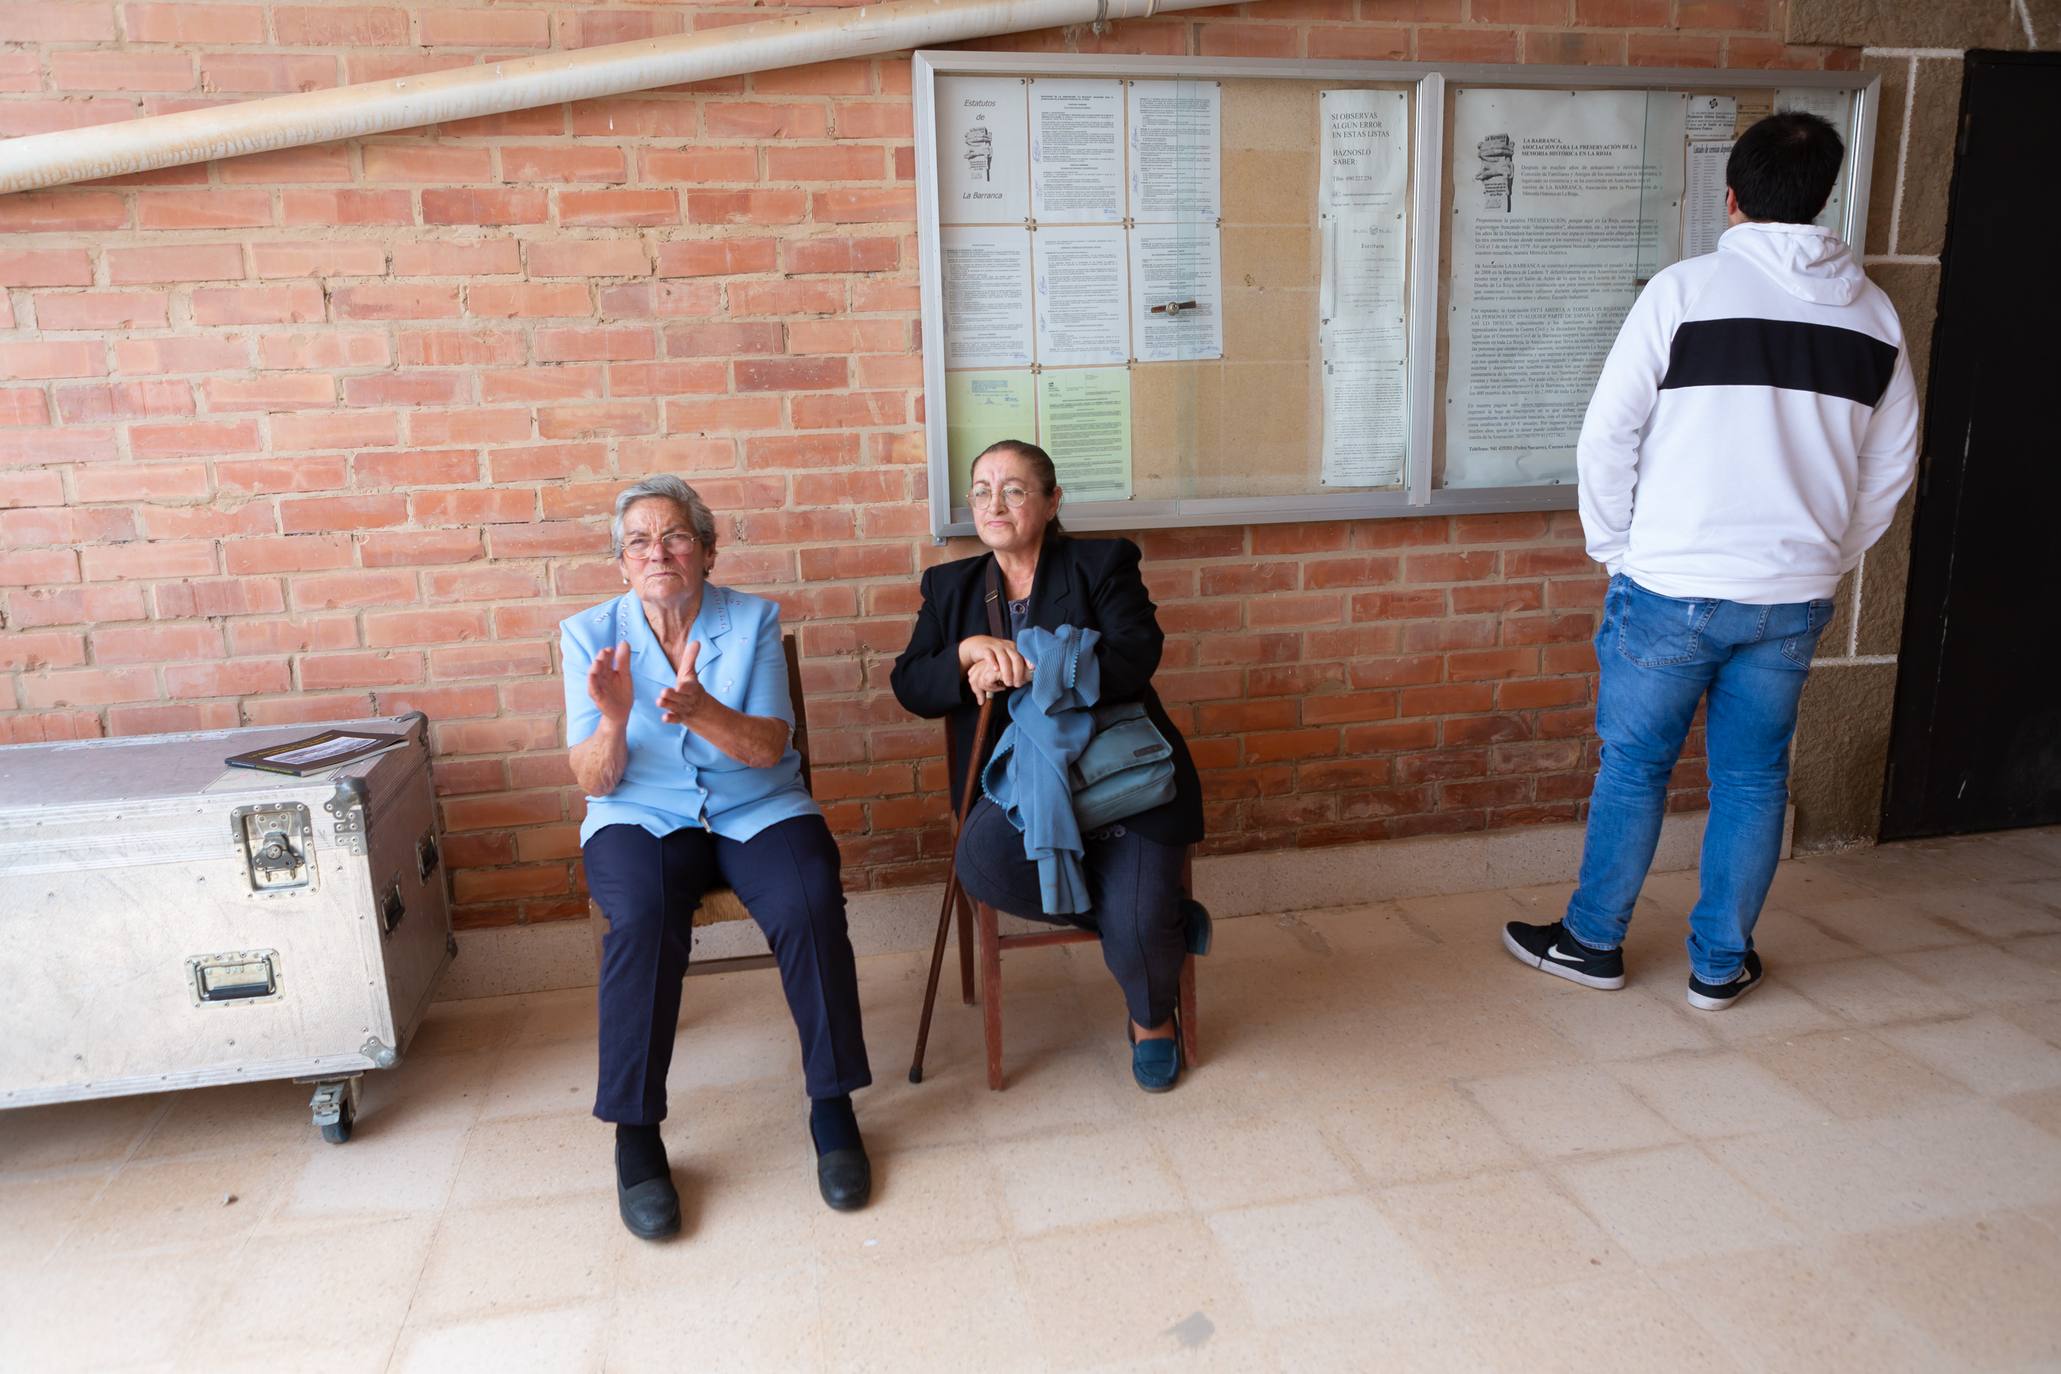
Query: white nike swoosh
x=1554, y=953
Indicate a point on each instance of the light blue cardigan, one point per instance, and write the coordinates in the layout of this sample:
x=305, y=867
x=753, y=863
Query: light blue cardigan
x=1030, y=773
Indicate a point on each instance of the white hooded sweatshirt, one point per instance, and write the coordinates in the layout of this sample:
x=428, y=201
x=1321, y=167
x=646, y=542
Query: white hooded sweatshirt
x=1755, y=424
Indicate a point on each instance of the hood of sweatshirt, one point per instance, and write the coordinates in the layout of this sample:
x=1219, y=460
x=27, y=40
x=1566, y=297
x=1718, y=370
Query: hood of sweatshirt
x=1810, y=263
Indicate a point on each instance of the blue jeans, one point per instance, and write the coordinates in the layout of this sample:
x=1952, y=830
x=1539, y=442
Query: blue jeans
x=1659, y=656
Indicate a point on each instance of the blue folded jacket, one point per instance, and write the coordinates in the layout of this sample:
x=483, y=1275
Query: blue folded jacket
x=1030, y=774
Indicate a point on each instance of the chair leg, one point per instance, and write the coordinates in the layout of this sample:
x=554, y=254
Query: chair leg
x=1191, y=1030
x=965, y=949
x=991, y=990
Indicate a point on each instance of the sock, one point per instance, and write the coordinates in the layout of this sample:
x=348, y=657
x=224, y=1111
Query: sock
x=640, y=1155
x=833, y=1124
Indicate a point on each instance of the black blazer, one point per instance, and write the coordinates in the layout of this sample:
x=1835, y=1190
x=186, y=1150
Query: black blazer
x=1092, y=583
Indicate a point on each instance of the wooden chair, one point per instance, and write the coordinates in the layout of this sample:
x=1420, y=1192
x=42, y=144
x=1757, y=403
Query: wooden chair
x=979, y=921
x=720, y=904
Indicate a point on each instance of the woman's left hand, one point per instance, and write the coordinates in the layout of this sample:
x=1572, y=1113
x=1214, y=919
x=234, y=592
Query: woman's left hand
x=680, y=702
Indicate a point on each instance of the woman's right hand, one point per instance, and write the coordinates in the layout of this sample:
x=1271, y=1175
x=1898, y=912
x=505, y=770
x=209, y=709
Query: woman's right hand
x=610, y=685
x=992, y=665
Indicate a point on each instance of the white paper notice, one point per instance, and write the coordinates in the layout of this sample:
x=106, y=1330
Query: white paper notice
x=1835, y=108
x=1362, y=189
x=1366, y=422
x=1082, y=307
x=983, y=150
x=1712, y=117
x=1566, y=203
x=1077, y=149
x=1084, y=422
x=987, y=288
x=1704, y=216
x=1177, y=297
x=1176, y=150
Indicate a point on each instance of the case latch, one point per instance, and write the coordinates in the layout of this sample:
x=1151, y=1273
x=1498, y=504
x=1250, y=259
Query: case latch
x=274, y=841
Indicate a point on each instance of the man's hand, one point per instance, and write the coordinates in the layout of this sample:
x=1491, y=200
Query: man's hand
x=609, y=683
x=684, y=699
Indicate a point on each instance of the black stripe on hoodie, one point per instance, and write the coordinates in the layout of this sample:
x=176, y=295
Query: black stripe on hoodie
x=1788, y=354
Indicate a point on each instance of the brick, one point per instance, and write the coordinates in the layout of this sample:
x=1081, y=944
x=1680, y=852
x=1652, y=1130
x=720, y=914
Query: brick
x=606, y=257
x=419, y=548
x=470, y=28
x=269, y=391
x=860, y=205
x=1361, y=43
x=698, y=166
x=406, y=389
x=839, y=253
x=758, y=207
x=22, y=118
x=470, y=258
x=619, y=208
x=631, y=117
x=199, y=23
x=291, y=303
x=412, y=302
x=21, y=447
x=326, y=514
x=155, y=559
x=46, y=267
x=484, y=205
x=570, y=162
x=213, y=208
x=193, y=439
x=57, y=23
x=330, y=260
x=502, y=811
x=246, y=73
x=716, y=257
x=98, y=401
x=39, y=361
x=306, y=26
x=60, y=526
x=1575, y=48
x=1744, y=16
x=19, y=489
x=88, y=687
x=218, y=597
x=148, y=482
x=1466, y=45
x=329, y=209
x=472, y=507
x=490, y=661
x=185, y=262
x=590, y=421
x=538, y=300
x=438, y=428
x=110, y=310
x=24, y=406
x=103, y=70
x=290, y=553
x=326, y=349
x=156, y=643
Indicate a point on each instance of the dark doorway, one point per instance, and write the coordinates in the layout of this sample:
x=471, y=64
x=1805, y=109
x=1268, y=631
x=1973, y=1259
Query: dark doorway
x=1976, y=739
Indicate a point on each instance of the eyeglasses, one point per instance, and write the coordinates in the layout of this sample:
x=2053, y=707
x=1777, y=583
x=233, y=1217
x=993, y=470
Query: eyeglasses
x=983, y=495
x=640, y=547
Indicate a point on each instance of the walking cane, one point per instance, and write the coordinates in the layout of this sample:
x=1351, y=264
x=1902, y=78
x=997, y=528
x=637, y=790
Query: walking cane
x=944, y=915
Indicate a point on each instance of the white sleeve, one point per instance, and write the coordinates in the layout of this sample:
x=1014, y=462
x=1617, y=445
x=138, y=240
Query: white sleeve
x=1607, y=456
x=1888, y=459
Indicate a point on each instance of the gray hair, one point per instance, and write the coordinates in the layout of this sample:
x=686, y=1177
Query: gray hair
x=664, y=487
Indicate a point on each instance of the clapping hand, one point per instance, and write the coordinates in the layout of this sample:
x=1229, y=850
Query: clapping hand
x=609, y=683
x=684, y=698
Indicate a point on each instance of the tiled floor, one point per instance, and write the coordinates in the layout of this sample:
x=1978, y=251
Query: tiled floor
x=1403, y=1150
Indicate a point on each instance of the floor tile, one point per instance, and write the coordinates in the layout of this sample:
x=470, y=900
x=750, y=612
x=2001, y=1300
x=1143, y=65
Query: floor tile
x=181, y=1204
x=57, y=1317
x=1674, y=1204
x=374, y=1175
x=1986, y=1053
x=1711, y=1095
x=1082, y=1316
x=1883, y=925
x=737, y=1322
x=236, y=1117
x=535, y=1157
x=1983, y=975
x=1240, y=1162
x=1083, y=1180
x=1497, y=1232
x=519, y=1255
x=552, y=1340
x=1434, y=1337
x=1415, y=1132
x=1795, y=1311
x=1982, y=1287
x=944, y=1312
x=74, y=1134
x=1854, y=1073
x=927, y=1204
x=38, y=1212
x=1319, y=1259
x=1629, y=1024
x=1571, y=1111
x=1992, y=911
x=1871, y=991
x=1641, y=1328
x=287, y=1285
x=2042, y=1109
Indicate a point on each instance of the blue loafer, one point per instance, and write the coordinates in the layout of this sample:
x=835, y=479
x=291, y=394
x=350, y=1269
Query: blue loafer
x=1156, y=1064
x=1198, y=928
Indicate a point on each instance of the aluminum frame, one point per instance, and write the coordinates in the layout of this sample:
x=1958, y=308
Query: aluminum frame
x=1418, y=496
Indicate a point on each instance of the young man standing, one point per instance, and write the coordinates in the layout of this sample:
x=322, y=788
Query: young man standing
x=1750, y=437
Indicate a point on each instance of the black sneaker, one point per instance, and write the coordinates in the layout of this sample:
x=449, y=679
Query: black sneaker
x=1550, y=949
x=1717, y=996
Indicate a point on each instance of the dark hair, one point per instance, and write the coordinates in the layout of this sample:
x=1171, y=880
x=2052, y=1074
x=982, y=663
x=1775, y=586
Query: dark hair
x=1782, y=169
x=1041, y=468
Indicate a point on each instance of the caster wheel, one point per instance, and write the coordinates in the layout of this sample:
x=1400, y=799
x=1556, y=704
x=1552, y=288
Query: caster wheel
x=339, y=1130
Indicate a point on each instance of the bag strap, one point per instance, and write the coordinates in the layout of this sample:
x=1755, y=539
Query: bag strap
x=994, y=599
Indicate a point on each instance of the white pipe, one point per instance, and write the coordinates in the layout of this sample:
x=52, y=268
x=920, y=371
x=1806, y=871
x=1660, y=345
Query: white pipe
x=409, y=102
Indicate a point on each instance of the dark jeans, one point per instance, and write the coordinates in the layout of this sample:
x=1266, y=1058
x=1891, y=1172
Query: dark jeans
x=788, y=878
x=1134, y=886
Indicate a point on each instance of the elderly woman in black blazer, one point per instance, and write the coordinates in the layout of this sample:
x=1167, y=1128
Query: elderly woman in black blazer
x=953, y=664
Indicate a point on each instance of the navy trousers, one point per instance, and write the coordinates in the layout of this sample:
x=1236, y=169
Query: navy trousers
x=788, y=877
x=1134, y=890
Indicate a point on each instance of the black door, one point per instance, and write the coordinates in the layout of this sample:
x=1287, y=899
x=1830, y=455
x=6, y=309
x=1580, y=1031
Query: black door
x=1976, y=739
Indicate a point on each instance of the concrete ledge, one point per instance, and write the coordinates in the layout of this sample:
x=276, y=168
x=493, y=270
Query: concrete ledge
x=509, y=959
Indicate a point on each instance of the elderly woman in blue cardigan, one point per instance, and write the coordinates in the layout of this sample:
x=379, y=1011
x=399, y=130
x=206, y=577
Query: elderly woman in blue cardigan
x=679, y=719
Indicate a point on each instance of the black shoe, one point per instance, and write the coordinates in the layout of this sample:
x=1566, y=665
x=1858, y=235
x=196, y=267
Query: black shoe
x=1550, y=949
x=650, y=1209
x=845, y=1178
x=1717, y=996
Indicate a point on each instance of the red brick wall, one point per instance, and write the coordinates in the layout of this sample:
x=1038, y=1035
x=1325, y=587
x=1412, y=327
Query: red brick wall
x=329, y=432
